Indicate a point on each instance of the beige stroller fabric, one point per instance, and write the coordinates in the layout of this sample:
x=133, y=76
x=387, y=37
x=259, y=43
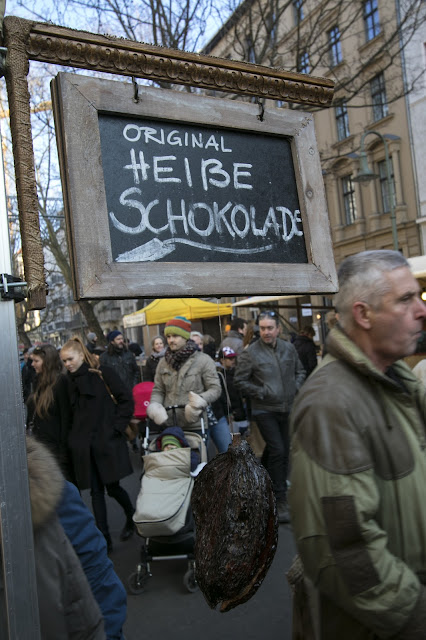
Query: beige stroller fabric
x=165, y=493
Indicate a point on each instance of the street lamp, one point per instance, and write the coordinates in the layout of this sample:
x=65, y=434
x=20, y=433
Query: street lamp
x=365, y=174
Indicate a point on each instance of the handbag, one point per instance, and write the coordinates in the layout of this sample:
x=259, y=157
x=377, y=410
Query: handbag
x=132, y=429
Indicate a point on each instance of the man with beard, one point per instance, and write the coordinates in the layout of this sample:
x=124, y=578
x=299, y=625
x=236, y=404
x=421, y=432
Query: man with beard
x=185, y=376
x=119, y=358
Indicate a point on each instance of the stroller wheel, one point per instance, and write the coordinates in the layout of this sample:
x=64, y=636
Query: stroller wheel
x=190, y=581
x=136, y=582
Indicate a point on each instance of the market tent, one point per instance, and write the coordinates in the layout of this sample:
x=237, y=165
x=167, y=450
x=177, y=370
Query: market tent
x=160, y=311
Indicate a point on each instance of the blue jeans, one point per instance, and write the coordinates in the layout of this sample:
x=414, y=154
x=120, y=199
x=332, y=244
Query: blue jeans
x=221, y=435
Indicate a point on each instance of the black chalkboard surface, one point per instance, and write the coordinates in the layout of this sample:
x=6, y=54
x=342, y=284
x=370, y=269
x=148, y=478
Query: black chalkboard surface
x=178, y=192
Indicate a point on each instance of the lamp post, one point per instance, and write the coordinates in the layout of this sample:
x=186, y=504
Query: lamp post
x=365, y=174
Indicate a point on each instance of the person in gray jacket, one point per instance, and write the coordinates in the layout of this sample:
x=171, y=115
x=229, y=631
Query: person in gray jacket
x=270, y=373
x=235, y=335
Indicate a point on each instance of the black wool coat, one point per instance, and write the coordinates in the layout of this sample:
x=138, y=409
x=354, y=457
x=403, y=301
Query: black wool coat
x=98, y=425
x=307, y=352
x=54, y=428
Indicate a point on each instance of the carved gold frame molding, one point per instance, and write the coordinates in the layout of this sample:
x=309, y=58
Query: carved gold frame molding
x=58, y=45
x=42, y=42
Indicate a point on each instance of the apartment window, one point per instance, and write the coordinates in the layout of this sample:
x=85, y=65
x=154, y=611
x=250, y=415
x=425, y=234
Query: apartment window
x=298, y=11
x=303, y=63
x=371, y=19
x=349, y=203
x=335, y=46
x=383, y=179
x=378, y=97
x=342, y=121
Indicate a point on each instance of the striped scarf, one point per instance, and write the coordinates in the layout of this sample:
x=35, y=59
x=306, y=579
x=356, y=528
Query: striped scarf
x=177, y=358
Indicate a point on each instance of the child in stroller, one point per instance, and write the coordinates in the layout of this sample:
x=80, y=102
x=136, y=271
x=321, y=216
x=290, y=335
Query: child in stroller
x=163, y=515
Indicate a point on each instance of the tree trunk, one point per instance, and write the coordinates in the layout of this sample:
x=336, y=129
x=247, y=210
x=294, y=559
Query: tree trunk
x=87, y=310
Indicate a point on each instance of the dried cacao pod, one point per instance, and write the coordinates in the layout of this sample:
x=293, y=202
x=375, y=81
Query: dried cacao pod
x=236, y=526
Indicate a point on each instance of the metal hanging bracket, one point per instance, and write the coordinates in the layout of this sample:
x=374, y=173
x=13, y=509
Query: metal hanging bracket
x=12, y=288
x=3, y=52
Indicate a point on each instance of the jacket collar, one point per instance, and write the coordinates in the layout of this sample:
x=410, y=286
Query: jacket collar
x=341, y=347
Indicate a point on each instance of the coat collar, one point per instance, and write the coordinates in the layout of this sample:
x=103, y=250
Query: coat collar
x=341, y=347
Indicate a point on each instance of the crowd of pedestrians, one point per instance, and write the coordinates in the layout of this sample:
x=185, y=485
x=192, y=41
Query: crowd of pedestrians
x=356, y=421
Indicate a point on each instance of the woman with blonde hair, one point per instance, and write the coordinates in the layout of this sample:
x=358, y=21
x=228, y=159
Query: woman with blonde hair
x=49, y=409
x=101, y=410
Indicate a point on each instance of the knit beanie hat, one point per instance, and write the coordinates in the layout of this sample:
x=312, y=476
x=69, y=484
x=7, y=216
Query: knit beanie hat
x=169, y=439
x=178, y=326
x=113, y=334
x=91, y=335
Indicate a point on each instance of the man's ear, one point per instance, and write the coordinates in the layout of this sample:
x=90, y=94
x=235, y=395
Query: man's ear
x=361, y=312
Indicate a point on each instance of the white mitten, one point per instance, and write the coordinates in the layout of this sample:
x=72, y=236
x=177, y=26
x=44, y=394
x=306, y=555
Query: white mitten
x=196, y=401
x=157, y=412
x=195, y=407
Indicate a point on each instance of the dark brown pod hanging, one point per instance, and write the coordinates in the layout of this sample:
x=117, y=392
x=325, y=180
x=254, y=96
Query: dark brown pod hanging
x=236, y=526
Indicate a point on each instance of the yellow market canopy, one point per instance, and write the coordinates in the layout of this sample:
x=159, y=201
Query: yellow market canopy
x=162, y=310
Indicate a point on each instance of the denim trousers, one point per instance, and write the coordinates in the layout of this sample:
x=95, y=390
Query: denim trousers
x=274, y=428
x=221, y=435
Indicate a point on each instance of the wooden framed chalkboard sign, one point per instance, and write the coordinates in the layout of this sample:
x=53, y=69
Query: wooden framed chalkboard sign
x=180, y=194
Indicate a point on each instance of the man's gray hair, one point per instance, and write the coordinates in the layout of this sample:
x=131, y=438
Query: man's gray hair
x=361, y=278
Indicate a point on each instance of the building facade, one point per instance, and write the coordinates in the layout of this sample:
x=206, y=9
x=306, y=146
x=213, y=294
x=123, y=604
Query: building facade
x=356, y=43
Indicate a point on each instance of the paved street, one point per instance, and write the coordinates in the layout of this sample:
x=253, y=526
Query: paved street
x=167, y=610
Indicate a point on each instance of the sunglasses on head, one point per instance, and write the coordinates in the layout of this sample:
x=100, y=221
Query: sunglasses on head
x=268, y=314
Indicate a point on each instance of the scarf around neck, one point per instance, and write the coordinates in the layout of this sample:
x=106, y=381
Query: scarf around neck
x=177, y=358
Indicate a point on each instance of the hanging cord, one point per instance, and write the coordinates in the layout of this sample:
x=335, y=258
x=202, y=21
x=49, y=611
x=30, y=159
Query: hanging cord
x=16, y=36
x=135, y=90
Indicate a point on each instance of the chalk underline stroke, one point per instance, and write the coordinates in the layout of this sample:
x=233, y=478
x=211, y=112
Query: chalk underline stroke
x=156, y=249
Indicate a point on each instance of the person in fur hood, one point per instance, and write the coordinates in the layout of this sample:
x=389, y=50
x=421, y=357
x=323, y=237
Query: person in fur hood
x=67, y=607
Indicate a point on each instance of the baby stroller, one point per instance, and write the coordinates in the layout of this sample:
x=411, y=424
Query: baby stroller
x=163, y=515
x=141, y=397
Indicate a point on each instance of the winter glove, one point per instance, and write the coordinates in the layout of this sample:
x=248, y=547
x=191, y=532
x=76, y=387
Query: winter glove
x=157, y=412
x=195, y=407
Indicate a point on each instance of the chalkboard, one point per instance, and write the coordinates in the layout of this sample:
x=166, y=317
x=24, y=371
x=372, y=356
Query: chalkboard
x=178, y=194
x=199, y=194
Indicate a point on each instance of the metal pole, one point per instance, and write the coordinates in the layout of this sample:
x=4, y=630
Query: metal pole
x=19, y=616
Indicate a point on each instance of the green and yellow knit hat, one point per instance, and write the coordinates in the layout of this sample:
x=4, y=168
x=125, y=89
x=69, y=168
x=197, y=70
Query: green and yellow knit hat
x=178, y=326
x=169, y=439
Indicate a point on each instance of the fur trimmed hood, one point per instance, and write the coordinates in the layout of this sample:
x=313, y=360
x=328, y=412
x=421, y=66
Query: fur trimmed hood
x=45, y=480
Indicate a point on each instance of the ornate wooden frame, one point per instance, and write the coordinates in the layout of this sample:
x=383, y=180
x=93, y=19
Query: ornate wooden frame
x=58, y=45
x=78, y=100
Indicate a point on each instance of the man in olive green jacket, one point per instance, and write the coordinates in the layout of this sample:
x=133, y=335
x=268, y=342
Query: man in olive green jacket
x=358, y=480
x=185, y=376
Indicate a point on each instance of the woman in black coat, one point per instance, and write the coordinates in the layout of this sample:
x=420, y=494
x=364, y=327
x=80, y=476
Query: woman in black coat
x=49, y=414
x=102, y=408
